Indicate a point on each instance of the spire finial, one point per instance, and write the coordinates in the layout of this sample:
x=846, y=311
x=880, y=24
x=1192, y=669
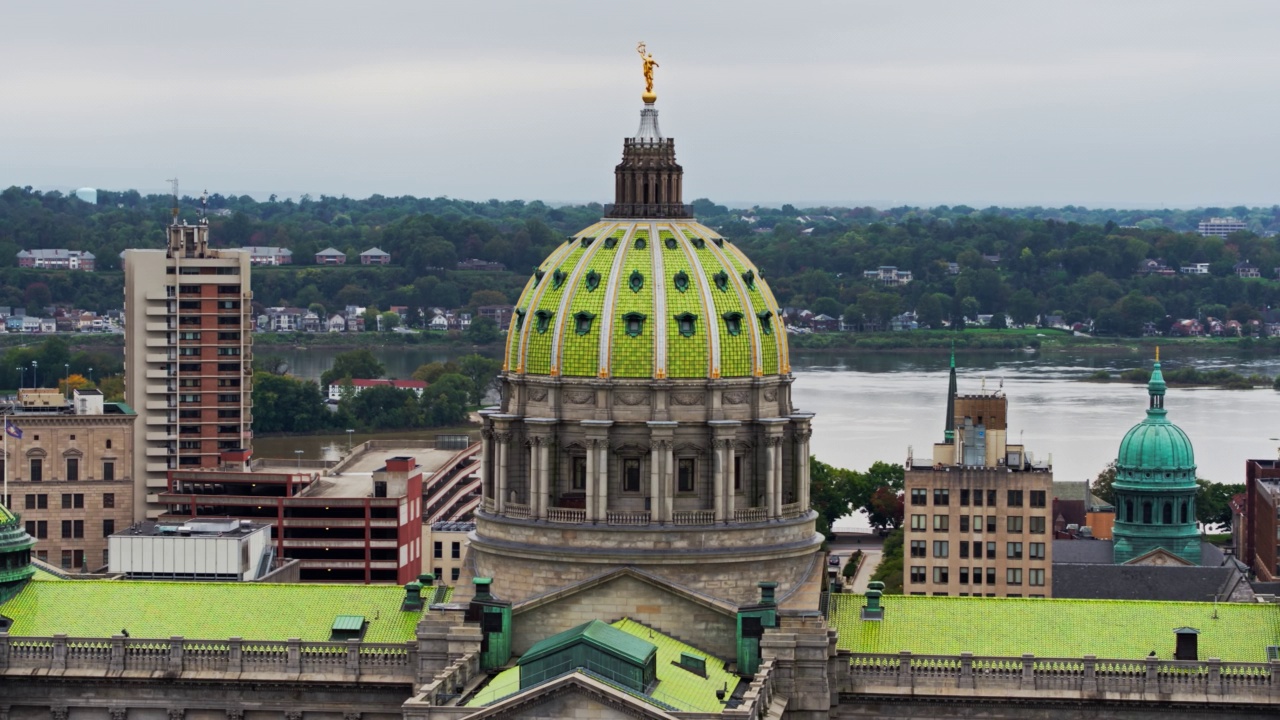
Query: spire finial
x=953, y=353
x=649, y=96
x=1157, y=353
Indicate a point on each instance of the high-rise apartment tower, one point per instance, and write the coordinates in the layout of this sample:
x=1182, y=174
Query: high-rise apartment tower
x=188, y=360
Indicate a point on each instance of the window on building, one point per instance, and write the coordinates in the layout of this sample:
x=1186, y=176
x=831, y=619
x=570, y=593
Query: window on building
x=917, y=548
x=1128, y=511
x=1013, y=576
x=73, y=469
x=977, y=523
x=437, y=550
x=991, y=550
x=1037, y=498
x=455, y=550
x=941, y=522
x=37, y=470
x=991, y=576
x=106, y=556
x=940, y=575
x=108, y=528
x=72, y=529
x=964, y=549
x=964, y=523
x=977, y=576
x=578, y=474
x=940, y=548
x=631, y=475
x=964, y=497
x=1183, y=510
x=1013, y=550
x=1014, y=523
x=737, y=473
x=685, y=470
x=1015, y=498
x=1146, y=512
x=108, y=470
x=917, y=573
x=66, y=559
x=1036, y=524
x=108, y=443
x=991, y=498
x=919, y=496
x=941, y=496
x=37, y=501
x=1166, y=514
x=1035, y=577
x=455, y=573
x=1035, y=551
x=964, y=576
x=918, y=523
x=991, y=523
x=977, y=498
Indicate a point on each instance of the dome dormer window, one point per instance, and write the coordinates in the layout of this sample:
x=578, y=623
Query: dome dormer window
x=633, y=323
x=681, y=281
x=557, y=278
x=733, y=323
x=592, y=281
x=582, y=322
x=766, y=321
x=722, y=281
x=610, y=242
x=543, y=320
x=687, y=324
x=749, y=277
x=641, y=244
x=670, y=243
x=636, y=281
x=586, y=241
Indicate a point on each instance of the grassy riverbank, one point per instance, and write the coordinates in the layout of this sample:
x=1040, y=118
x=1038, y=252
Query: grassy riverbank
x=1189, y=377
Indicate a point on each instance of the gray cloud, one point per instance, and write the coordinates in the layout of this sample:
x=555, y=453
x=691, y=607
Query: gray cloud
x=1139, y=103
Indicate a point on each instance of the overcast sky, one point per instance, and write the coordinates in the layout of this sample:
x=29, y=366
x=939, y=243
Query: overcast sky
x=1119, y=104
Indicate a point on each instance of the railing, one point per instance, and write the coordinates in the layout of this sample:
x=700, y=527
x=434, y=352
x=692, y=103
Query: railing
x=758, y=697
x=693, y=517
x=1085, y=675
x=648, y=210
x=792, y=510
x=757, y=514
x=516, y=510
x=178, y=655
x=447, y=686
x=626, y=518
x=566, y=515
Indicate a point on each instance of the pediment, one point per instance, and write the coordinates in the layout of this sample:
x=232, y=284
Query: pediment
x=1160, y=556
x=574, y=695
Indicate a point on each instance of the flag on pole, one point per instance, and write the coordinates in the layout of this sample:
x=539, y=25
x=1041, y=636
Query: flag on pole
x=12, y=430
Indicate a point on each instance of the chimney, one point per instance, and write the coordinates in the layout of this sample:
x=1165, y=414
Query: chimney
x=483, y=585
x=427, y=579
x=872, y=610
x=412, y=596
x=766, y=592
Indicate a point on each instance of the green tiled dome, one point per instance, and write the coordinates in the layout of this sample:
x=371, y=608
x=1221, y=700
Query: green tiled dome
x=1155, y=444
x=15, y=555
x=647, y=299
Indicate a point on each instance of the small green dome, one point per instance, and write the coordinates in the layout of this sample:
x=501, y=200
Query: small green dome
x=656, y=299
x=15, y=555
x=1156, y=445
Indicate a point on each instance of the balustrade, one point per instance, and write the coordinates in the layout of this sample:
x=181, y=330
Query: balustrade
x=614, y=517
x=755, y=514
x=693, y=517
x=566, y=515
x=181, y=655
x=792, y=510
x=516, y=510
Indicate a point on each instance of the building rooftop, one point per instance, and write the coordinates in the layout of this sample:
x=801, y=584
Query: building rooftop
x=1054, y=627
x=206, y=610
x=201, y=528
x=680, y=688
x=1144, y=582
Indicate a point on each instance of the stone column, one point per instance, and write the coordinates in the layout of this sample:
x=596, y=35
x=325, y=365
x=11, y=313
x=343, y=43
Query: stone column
x=486, y=456
x=722, y=435
x=597, y=442
x=541, y=436
x=503, y=440
x=803, y=431
x=773, y=474
x=662, y=484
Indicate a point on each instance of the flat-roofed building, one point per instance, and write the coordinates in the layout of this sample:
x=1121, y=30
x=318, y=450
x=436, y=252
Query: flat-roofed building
x=977, y=516
x=69, y=473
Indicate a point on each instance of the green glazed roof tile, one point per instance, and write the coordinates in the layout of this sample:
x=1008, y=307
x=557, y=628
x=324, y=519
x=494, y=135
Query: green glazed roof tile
x=1009, y=627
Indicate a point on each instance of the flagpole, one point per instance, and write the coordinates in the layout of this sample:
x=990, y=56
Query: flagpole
x=6, y=461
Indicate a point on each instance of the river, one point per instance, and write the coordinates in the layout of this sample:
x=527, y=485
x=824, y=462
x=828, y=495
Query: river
x=873, y=407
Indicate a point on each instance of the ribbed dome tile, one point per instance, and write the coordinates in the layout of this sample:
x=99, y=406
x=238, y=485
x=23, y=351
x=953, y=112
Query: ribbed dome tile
x=637, y=263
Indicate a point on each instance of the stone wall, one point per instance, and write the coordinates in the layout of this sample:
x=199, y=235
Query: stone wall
x=628, y=597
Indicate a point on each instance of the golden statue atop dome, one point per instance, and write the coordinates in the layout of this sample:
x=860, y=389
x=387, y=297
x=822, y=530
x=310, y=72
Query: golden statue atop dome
x=649, y=96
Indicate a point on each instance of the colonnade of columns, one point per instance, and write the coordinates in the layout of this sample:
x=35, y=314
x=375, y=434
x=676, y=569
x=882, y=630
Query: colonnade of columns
x=497, y=466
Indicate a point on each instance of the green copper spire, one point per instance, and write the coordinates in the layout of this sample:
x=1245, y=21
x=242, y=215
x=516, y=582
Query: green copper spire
x=949, y=435
x=1155, y=485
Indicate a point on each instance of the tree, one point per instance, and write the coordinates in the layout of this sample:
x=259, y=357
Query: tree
x=389, y=321
x=889, y=571
x=384, y=408
x=885, y=508
x=112, y=388
x=444, y=402
x=430, y=372
x=74, y=382
x=482, y=373
x=359, y=364
x=287, y=404
x=1023, y=307
x=1101, y=485
x=273, y=364
x=929, y=311
x=483, y=331
x=487, y=297
x=1213, y=502
x=826, y=306
x=969, y=308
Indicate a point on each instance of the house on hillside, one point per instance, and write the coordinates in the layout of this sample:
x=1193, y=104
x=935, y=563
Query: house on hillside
x=268, y=255
x=888, y=275
x=374, y=256
x=1246, y=269
x=359, y=384
x=474, y=264
x=331, y=256
x=56, y=259
x=337, y=323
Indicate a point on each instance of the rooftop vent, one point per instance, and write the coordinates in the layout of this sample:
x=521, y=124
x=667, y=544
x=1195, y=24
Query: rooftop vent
x=1187, y=644
x=412, y=596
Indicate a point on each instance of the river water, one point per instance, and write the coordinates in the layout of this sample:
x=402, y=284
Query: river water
x=873, y=407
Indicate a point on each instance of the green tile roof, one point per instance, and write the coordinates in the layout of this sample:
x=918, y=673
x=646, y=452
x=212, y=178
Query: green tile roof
x=207, y=611
x=1123, y=629
x=677, y=687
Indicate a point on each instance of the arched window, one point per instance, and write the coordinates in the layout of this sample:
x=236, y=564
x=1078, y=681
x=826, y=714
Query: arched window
x=1146, y=512
x=1184, y=512
x=1166, y=515
x=1128, y=511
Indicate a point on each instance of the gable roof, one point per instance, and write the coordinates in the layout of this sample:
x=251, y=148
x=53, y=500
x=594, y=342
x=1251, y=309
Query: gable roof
x=598, y=635
x=331, y=251
x=374, y=251
x=1054, y=627
x=206, y=610
x=1141, y=582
